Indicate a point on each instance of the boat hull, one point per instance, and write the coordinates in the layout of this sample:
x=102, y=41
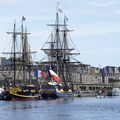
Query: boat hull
x=24, y=93
x=64, y=95
x=48, y=92
x=54, y=91
x=62, y=92
x=25, y=98
x=49, y=95
x=55, y=95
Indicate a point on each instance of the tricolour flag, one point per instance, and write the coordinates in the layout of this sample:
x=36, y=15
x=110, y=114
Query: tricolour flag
x=54, y=76
x=37, y=73
x=42, y=74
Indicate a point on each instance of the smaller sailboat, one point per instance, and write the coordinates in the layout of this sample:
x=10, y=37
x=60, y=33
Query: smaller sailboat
x=115, y=92
x=21, y=87
x=100, y=95
x=25, y=92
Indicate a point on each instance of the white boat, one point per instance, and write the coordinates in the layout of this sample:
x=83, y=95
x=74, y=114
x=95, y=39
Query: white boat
x=115, y=92
x=1, y=91
x=100, y=96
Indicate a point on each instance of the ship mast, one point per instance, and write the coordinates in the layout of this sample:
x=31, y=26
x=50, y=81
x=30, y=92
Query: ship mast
x=59, y=52
x=25, y=53
x=56, y=45
x=23, y=50
x=66, y=54
x=27, y=56
x=14, y=35
x=22, y=57
x=14, y=40
x=56, y=53
x=65, y=47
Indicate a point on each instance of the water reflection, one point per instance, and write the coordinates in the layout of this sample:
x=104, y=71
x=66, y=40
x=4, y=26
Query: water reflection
x=65, y=109
x=60, y=101
x=14, y=105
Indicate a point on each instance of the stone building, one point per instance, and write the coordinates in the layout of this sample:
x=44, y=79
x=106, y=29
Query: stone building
x=87, y=79
x=84, y=77
x=7, y=72
x=110, y=73
x=111, y=76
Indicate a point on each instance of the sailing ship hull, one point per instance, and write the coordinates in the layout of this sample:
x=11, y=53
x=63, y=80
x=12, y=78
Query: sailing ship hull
x=24, y=93
x=24, y=98
x=53, y=92
x=49, y=95
x=62, y=93
x=55, y=95
x=48, y=92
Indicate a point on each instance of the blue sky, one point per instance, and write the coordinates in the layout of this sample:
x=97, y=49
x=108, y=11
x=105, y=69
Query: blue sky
x=96, y=25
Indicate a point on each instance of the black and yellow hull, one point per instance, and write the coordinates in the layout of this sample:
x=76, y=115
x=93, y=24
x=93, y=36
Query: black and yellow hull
x=23, y=98
x=24, y=93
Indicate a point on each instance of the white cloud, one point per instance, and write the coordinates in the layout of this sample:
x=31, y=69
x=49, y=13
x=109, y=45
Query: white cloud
x=101, y=4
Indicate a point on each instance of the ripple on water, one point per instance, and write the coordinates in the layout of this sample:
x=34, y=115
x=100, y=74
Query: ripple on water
x=62, y=109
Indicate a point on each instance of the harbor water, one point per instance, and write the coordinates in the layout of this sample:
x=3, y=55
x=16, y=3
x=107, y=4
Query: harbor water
x=86, y=108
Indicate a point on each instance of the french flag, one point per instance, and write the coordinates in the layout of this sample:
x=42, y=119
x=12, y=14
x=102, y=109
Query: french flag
x=54, y=76
x=37, y=73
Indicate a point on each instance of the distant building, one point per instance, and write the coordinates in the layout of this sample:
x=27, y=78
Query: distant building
x=110, y=73
x=88, y=78
x=82, y=76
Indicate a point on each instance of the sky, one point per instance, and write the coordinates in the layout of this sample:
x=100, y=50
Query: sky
x=96, y=25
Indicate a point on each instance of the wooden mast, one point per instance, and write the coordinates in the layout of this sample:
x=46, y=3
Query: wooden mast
x=23, y=50
x=14, y=40
x=14, y=35
x=60, y=51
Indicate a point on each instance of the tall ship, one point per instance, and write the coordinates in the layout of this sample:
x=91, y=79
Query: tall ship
x=59, y=63
x=19, y=80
